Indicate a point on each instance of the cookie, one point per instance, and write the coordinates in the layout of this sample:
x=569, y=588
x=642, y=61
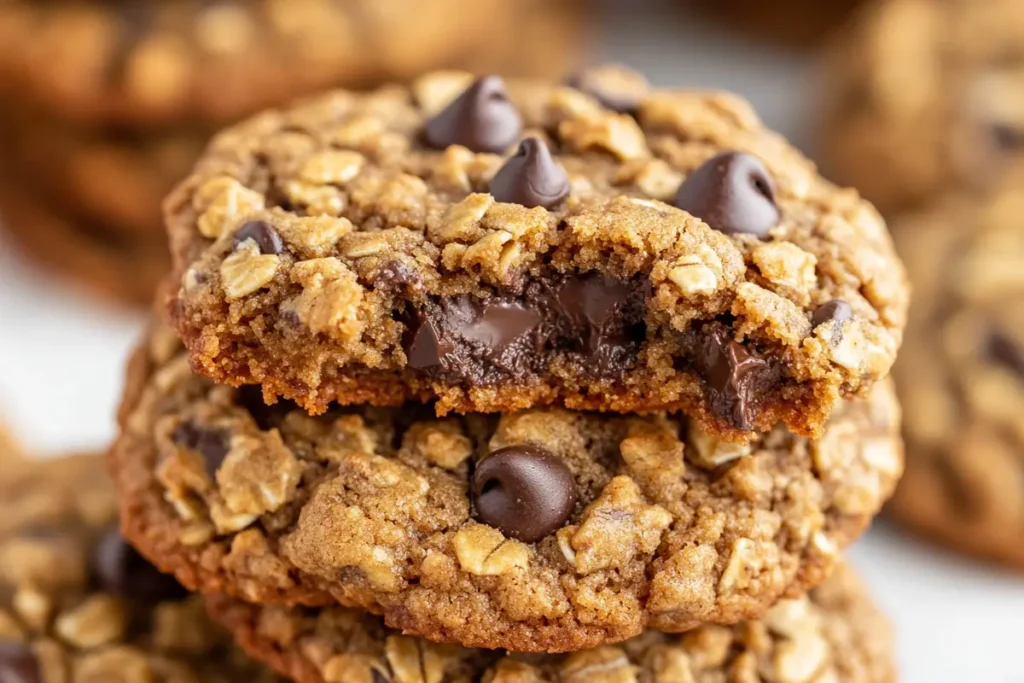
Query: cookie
x=543, y=530
x=833, y=634
x=924, y=97
x=78, y=604
x=497, y=247
x=114, y=175
x=100, y=259
x=962, y=377
x=151, y=61
x=794, y=23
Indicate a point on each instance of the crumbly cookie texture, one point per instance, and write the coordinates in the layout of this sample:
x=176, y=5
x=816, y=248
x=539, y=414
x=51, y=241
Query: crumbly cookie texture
x=356, y=249
x=542, y=530
x=962, y=379
x=197, y=59
x=834, y=634
x=78, y=604
x=925, y=95
x=101, y=259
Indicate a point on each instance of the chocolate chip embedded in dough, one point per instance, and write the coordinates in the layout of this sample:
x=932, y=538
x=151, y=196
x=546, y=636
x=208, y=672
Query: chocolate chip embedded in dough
x=212, y=444
x=836, y=309
x=18, y=664
x=736, y=379
x=531, y=178
x=482, y=118
x=733, y=193
x=524, y=491
x=263, y=234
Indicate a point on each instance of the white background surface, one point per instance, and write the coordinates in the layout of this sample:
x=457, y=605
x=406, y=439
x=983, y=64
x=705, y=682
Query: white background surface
x=61, y=358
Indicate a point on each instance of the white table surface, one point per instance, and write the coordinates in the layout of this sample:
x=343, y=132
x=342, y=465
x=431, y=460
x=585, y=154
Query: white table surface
x=62, y=356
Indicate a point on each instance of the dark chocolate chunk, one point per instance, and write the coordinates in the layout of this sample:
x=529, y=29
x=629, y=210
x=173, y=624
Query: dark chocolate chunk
x=524, y=491
x=736, y=380
x=266, y=237
x=1006, y=137
x=1005, y=351
x=531, y=178
x=605, y=318
x=123, y=572
x=836, y=309
x=482, y=119
x=212, y=444
x=18, y=664
x=733, y=193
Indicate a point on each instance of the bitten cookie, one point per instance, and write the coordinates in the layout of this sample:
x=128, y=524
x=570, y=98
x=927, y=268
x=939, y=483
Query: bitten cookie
x=496, y=247
x=542, y=530
x=925, y=95
x=833, y=634
x=78, y=604
x=962, y=376
x=152, y=61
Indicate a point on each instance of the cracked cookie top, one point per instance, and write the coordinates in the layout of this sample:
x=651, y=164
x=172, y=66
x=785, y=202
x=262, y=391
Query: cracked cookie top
x=540, y=530
x=834, y=634
x=925, y=96
x=152, y=61
x=496, y=246
x=78, y=604
x=962, y=379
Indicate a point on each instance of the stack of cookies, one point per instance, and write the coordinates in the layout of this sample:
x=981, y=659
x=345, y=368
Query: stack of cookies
x=926, y=116
x=513, y=381
x=107, y=104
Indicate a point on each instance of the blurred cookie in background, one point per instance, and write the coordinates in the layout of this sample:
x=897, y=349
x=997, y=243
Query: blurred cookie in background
x=793, y=23
x=961, y=373
x=107, y=105
x=923, y=96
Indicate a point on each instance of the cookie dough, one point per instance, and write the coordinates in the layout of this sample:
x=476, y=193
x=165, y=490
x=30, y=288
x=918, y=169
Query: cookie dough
x=96, y=257
x=924, y=96
x=962, y=374
x=500, y=246
x=543, y=530
x=833, y=634
x=795, y=23
x=150, y=61
x=78, y=604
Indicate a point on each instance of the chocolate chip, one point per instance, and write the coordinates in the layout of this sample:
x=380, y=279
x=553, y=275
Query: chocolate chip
x=212, y=444
x=1005, y=351
x=123, y=572
x=482, y=119
x=531, y=178
x=622, y=101
x=18, y=664
x=836, y=309
x=736, y=380
x=733, y=193
x=606, y=319
x=266, y=237
x=524, y=491
x=1007, y=138
x=395, y=275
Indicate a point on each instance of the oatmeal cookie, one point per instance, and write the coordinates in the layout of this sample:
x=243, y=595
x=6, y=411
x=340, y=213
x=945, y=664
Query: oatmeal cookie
x=152, y=61
x=542, y=530
x=101, y=259
x=926, y=96
x=793, y=23
x=78, y=604
x=962, y=377
x=500, y=246
x=833, y=634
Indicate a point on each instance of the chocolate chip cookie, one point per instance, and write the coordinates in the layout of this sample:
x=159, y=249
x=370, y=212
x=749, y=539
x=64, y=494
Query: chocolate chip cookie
x=498, y=246
x=99, y=258
x=962, y=377
x=78, y=604
x=833, y=634
x=796, y=23
x=146, y=60
x=542, y=530
x=926, y=96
